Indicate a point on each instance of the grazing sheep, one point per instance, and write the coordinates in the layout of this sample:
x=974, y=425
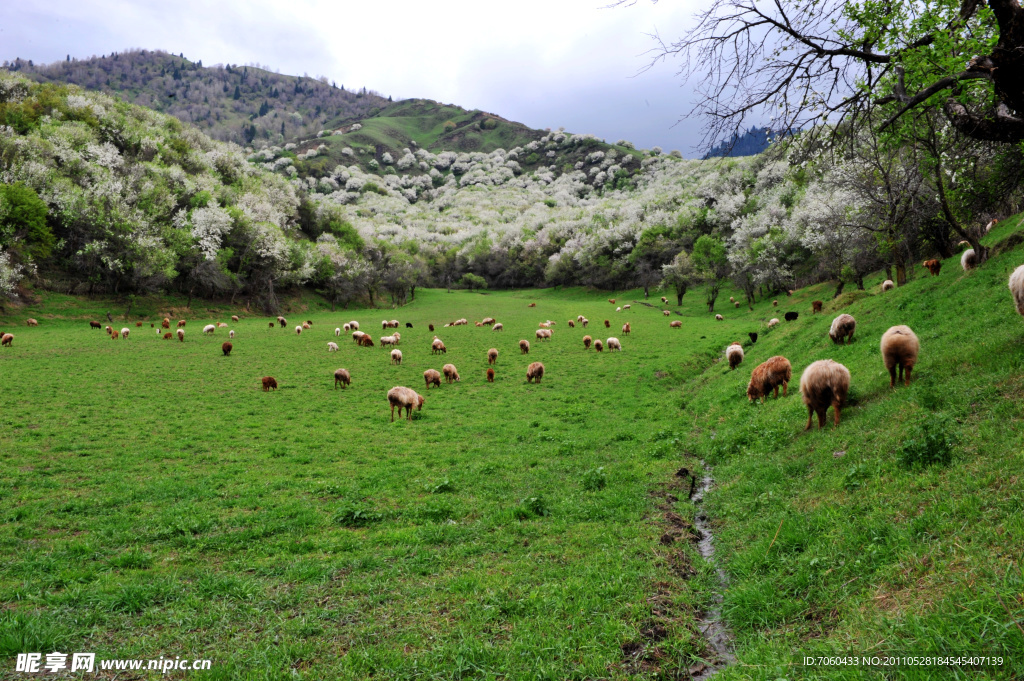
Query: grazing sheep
x=734, y=353
x=488, y=321
x=432, y=376
x=731, y=299
x=664, y=300
x=298, y=330
x=790, y=292
x=231, y=333
x=209, y=328
x=625, y=329
x=772, y=322
x=1017, y=288
x=545, y=325
x=430, y=326
x=899, y=351
x=532, y=305
x=408, y=325
x=824, y=383
x=607, y=324
x=815, y=306
x=587, y=340
x=234, y=318
x=572, y=324
x=598, y=345
x=268, y=383
x=579, y=318
x=366, y=341
x=114, y=334
x=406, y=398
x=737, y=304
x=95, y=325
x=166, y=323
x=490, y=375
x=969, y=260
x=394, y=323
x=479, y=323
x=168, y=335
x=451, y=374
x=625, y=307
x=305, y=326
x=7, y=339
x=181, y=323
x=534, y=372
x=888, y=285
x=611, y=300
x=347, y=328
x=356, y=335
x=282, y=321
x=618, y=309
x=585, y=322
x=990, y=225
x=31, y=322
x=396, y=356
x=138, y=324
x=676, y=324
x=387, y=340
x=341, y=376
x=270, y=324
x=221, y=325
x=384, y=324
x=124, y=332
x=775, y=303
x=614, y=344
x=666, y=313
x=332, y=347
x=181, y=335
x=492, y=356
x=540, y=333
x=753, y=337
x=226, y=348
x=934, y=266
x=719, y=317
x=354, y=325
x=438, y=346
x=842, y=329
x=791, y=316
x=310, y=322
x=768, y=376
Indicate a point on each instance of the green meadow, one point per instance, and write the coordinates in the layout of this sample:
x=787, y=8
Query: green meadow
x=156, y=501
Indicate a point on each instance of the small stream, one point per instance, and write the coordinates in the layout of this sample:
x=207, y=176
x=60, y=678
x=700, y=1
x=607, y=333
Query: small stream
x=715, y=630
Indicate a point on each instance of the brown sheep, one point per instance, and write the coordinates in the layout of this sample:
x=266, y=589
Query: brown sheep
x=734, y=353
x=768, y=376
x=166, y=323
x=181, y=323
x=934, y=266
x=524, y=347
x=430, y=326
x=282, y=321
x=152, y=325
x=736, y=304
x=572, y=324
x=478, y=323
x=138, y=324
x=586, y=342
x=114, y=334
x=268, y=383
x=406, y=398
x=489, y=321
x=432, y=376
x=824, y=383
x=899, y=351
x=775, y=303
x=341, y=376
x=815, y=306
x=607, y=324
x=438, y=346
x=366, y=341
x=7, y=340
x=234, y=318
x=666, y=313
x=95, y=325
x=676, y=324
x=305, y=326
x=731, y=299
x=226, y=347
x=109, y=330
x=451, y=374
x=664, y=300
x=1016, y=285
x=270, y=324
x=790, y=292
x=490, y=375
x=181, y=335
x=492, y=356
x=532, y=305
x=625, y=329
x=310, y=322
x=598, y=345
x=585, y=322
x=31, y=322
x=842, y=329
x=168, y=336
x=611, y=300
x=534, y=372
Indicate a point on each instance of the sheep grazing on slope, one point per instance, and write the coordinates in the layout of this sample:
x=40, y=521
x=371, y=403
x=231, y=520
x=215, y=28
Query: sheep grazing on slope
x=888, y=285
x=532, y=305
x=587, y=340
x=432, y=377
x=31, y=322
x=1017, y=288
x=168, y=335
x=430, y=326
x=585, y=322
x=497, y=327
x=534, y=372
x=489, y=321
x=388, y=340
x=572, y=324
x=310, y=322
x=899, y=352
x=990, y=225
x=479, y=323
x=933, y=266
x=842, y=329
x=332, y=347
x=7, y=339
x=268, y=383
x=625, y=329
x=815, y=306
x=664, y=300
x=492, y=356
x=736, y=304
x=305, y=326
x=614, y=344
x=666, y=313
x=209, y=328
x=394, y=323
x=366, y=341
x=790, y=292
x=541, y=334
x=598, y=345
x=347, y=328
x=404, y=398
x=775, y=303
x=618, y=309
x=719, y=317
x=772, y=322
x=181, y=323
x=734, y=353
x=396, y=356
x=221, y=325
x=226, y=348
x=753, y=337
x=109, y=330
x=676, y=324
x=490, y=375
x=768, y=376
x=357, y=335
x=438, y=346
x=524, y=347
x=231, y=333
x=166, y=323
x=384, y=324
x=95, y=325
x=544, y=325
x=625, y=307
x=114, y=334
x=451, y=374
x=282, y=321
x=181, y=335
x=138, y=324
x=341, y=376
x=298, y=330
x=791, y=316
x=823, y=384
x=731, y=299
x=270, y=324
x=354, y=325
x=124, y=332
x=607, y=324
x=969, y=260
x=611, y=300
x=234, y=318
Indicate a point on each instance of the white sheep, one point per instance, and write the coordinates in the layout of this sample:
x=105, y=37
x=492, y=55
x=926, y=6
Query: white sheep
x=719, y=317
x=734, y=353
x=124, y=332
x=354, y=325
x=332, y=347
x=231, y=333
x=888, y=285
x=497, y=327
x=396, y=356
x=209, y=328
x=614, y=344
x=618, y=309
x=772, y=322
x=1017, y=288
x=298, y=330
x=969, y=260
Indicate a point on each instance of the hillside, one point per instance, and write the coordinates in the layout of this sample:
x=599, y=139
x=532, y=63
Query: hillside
x=241, y=104
x=752, y=142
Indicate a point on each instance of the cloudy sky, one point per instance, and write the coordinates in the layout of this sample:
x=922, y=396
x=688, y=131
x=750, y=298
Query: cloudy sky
x=545, y=63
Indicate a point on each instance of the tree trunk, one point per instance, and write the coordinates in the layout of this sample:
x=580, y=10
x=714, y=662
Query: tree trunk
x=412, y=293
x=901, y=271
x=839, y=289
x=888, y=271
x=860, y=282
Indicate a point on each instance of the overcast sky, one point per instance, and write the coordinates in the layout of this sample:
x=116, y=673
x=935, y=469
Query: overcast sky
x=545, y=63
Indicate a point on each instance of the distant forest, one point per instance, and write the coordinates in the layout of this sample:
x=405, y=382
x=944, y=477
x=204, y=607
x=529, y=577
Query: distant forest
x=750, y=143
x=242, y=104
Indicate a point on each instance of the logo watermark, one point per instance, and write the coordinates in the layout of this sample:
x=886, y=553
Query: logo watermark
x=55, y=662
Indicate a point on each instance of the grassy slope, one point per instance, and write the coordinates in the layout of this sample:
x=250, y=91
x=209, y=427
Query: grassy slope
x=156, y=502
x=872, y=555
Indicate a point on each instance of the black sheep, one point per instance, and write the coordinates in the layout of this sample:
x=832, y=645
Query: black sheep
x=790, y=316
x=753, y=337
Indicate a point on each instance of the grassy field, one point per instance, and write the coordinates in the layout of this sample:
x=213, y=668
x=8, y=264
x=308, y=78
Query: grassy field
x=157, y=502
